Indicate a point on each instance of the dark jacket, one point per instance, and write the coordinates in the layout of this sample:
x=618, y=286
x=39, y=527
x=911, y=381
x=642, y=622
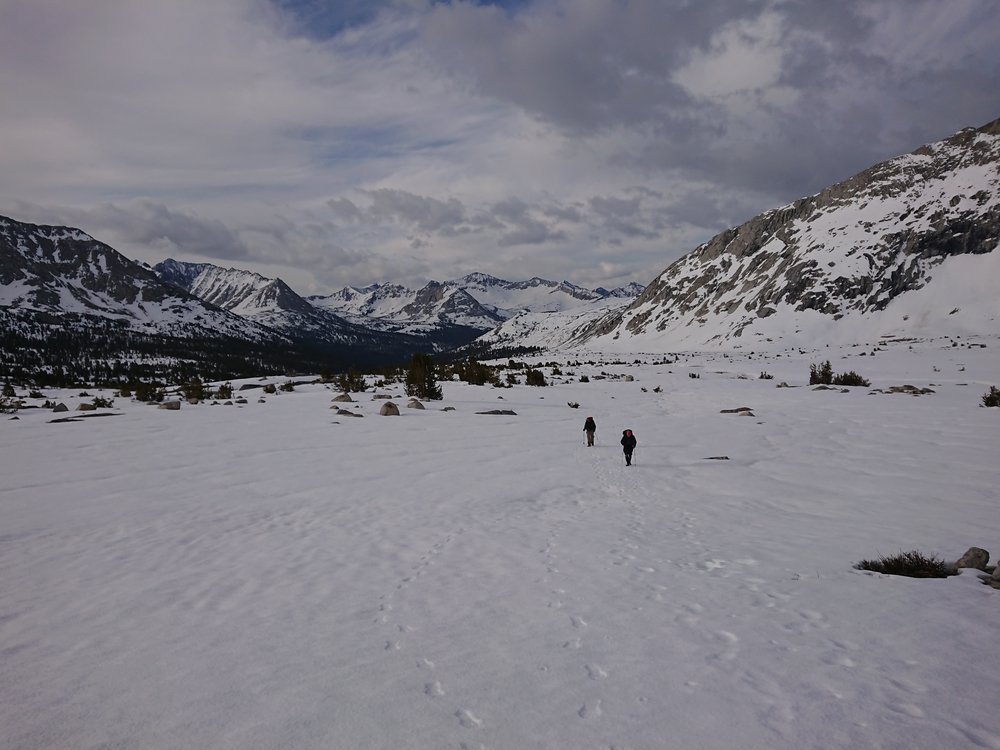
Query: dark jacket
x=628, y=441
x=590, y=425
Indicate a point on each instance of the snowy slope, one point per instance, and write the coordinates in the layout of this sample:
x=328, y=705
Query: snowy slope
x=64, y=272
x=549, y=330
x=842, y=263
x=277, y=576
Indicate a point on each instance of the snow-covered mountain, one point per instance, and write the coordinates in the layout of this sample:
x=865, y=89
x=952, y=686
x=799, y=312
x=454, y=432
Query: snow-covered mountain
x=477, y=301
x=48, y=272
x=907, y=247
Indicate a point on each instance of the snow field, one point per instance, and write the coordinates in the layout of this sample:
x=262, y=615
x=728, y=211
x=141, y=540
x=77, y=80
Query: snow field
x=277, y=576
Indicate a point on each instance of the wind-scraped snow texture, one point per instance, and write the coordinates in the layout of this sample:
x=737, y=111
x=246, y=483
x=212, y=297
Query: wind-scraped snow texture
x=274, y=575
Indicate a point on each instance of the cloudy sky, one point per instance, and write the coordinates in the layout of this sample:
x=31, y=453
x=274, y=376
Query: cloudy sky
x=335, y=142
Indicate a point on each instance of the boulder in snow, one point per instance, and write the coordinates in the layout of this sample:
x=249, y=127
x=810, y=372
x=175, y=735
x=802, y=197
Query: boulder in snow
x=975, y=557
x=389, y=409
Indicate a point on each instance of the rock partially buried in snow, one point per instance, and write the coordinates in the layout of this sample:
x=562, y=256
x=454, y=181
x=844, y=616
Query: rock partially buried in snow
x=343, y=398
x=975, y=557
x=170, y=405
x=60, y=407
x=740, y=411
x=345, y=413
x=389, y=409
x=508, y=412
x=86, y=407
x=414, y=404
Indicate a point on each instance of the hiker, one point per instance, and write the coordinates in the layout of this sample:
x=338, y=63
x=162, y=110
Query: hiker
x=590, y=427
x=628, y=445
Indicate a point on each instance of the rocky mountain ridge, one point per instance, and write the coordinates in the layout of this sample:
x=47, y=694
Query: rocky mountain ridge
x=849, y=255
x=479, y=301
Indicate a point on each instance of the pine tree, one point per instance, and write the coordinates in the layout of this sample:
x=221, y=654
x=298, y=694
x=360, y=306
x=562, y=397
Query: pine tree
x=421, y=379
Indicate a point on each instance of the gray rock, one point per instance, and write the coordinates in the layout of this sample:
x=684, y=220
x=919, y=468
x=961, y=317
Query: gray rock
x=345, y=413
x=60, y=407
x=343, y=398
x=975, y=557
x=389, y=409
x=170, y=405
x=414, y=404
x=499, y=411
x=86, y=407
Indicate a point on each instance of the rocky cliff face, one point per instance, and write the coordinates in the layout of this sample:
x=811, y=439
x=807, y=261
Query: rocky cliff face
x=850, y=250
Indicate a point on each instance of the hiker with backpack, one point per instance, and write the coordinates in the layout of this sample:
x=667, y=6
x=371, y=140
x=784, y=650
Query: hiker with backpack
x=590, y=427
x=628, y=445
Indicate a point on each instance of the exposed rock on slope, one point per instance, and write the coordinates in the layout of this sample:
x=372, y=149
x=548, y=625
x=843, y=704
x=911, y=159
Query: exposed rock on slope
x=852, y=250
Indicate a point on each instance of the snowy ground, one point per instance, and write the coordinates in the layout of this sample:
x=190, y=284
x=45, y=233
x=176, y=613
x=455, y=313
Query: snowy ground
x=274, y=576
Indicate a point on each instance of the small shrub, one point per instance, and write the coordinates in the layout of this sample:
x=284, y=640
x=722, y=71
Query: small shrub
x=193, y=390
x=8, y=390
x=849, y=378
x=35, y=394
x=912, y=564
x=694, y=375
x=766, y=376
x=534, y=377
x=511, y=379
x=821, y=374
x=476, y=373
x=148, y=392
x=125, y=392
x=287, y=386
x=351, y=382
x=103, y=403
x=269, y=388
x=224, y=391
x=584, y=379
x=991, y=397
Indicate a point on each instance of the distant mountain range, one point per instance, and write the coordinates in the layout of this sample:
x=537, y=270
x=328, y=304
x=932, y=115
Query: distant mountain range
x=908, y=247
x=69, y=301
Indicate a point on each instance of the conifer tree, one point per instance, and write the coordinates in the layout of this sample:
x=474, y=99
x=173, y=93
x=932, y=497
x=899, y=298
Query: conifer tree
x=421, y=379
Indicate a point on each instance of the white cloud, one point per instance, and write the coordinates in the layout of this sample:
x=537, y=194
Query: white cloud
x=568, y=139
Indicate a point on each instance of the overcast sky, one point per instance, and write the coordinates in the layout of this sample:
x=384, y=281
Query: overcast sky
x=356, y=141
